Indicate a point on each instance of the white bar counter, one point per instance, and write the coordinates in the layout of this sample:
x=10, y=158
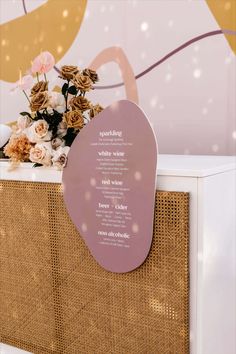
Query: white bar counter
x=211, y=182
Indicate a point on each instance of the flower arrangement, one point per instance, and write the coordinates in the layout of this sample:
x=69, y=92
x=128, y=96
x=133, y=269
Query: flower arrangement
x=44, y=135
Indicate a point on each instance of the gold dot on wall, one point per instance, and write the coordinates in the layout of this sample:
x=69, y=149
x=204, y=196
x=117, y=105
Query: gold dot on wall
x=65, y=13
x=7, y=57
x=3, y=42
x=227, y=5
x=59, y=49
x=41, y=37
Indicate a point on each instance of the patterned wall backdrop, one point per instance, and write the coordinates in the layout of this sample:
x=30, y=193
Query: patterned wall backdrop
x=175, y=58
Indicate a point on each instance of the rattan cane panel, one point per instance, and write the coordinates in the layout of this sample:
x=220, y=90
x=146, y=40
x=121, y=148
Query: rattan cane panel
x=55, y=298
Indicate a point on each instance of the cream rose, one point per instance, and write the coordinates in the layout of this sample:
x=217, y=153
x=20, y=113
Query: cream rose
x=38, y=132
x=57, y=102
x=59, y=159
x=42, y=154
x=57, y=142
x=23, y=122
x=61, y=129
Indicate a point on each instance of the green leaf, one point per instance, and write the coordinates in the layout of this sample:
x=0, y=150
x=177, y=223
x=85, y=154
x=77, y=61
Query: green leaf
x=25, y=114
x=37, y=165
x=64, y=88
x=72, y=90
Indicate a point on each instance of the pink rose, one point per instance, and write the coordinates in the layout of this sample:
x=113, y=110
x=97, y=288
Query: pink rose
x=43, y=63
x=25, y=83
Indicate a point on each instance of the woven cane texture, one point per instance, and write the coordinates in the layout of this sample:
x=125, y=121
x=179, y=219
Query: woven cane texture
x=55, y=298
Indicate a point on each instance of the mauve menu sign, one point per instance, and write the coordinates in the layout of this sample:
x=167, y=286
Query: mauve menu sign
x=109, y=186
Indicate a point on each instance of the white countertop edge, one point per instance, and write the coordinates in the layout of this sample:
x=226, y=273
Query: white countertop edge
x=168, y=165
x=26, y=172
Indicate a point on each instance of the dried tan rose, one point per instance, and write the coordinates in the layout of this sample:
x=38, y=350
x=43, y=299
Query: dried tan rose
x=41, y=86
x=39, y=101
x=82, y=82
x=79, y=103
x=68, y=72
x=91, y=74
x=74, y=119
x=18, y=148
x=95, y=110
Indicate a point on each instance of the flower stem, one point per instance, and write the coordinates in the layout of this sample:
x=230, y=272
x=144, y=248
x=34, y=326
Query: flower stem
x=66, y=94
x=26, y=96
x=37, y=74
x=45, y=77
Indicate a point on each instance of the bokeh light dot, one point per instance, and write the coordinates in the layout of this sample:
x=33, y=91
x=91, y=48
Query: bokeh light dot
x=138, y=176
x=84, y=227
x=234, y=135
x=168, y=77
x=87, y=14
x=227, y=6
x=215, y=148
x=7, y=57
x=228, y=60
x=135, y=228
x=143, y=55
x=153, y=102
x=144, y=26
x=103, y=9
x=197, y=73
x=65, y=13
x=204, y=111
x=87, y=196
x=117, y=93
x=93, y=182
x=59, y=49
